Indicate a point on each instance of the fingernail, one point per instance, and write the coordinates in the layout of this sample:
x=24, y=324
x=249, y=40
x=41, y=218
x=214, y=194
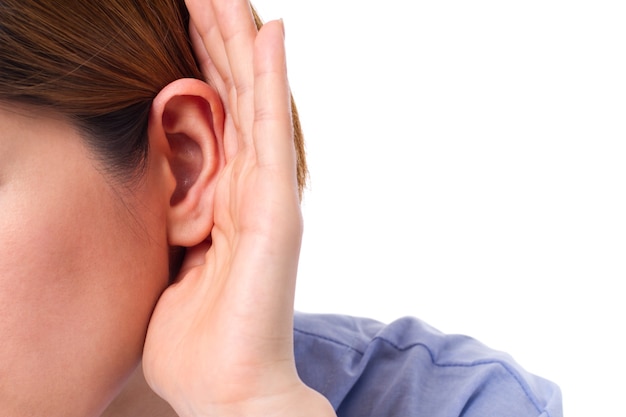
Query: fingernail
x=282, y=26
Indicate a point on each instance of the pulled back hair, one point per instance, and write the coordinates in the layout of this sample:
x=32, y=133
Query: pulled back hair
x=100, y=64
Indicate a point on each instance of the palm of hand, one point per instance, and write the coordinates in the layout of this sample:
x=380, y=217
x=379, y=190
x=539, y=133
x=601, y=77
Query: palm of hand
x=222, y=302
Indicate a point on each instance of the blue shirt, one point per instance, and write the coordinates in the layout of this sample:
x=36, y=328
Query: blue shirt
x=408, y=369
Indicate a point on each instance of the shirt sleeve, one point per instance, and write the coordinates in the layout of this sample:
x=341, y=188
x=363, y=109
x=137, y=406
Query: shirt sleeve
x=409, y=369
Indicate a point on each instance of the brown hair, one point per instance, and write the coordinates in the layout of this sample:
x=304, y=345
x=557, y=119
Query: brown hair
x=101, y=63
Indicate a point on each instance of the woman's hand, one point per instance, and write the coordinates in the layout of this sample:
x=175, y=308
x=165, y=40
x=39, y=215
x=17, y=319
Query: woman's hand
x=220, y=341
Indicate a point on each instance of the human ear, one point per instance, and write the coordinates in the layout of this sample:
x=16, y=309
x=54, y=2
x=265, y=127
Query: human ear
x=186, y=125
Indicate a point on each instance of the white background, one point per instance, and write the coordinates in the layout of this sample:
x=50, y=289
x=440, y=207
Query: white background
x=468, y=167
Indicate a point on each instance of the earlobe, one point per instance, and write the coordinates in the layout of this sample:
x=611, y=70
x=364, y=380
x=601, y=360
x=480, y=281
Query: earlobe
x=187, y=119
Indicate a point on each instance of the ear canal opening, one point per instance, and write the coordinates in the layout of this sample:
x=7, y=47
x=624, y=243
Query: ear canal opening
x=186, y=163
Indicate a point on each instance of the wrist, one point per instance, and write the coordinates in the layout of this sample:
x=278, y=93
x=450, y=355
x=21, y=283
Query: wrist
x=300, y=402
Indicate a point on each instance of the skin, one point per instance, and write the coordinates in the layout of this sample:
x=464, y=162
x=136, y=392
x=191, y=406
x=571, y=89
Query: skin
x=84, y=260
x=229, y=351
x=75, y=297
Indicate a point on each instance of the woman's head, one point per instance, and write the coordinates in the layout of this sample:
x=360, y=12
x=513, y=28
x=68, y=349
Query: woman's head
x=100, y=64
x=87, y=186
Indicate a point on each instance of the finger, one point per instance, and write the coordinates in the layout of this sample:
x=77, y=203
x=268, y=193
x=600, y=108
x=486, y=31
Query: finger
x=204, y=23
x=209, y=46
x=207, y=66
x=238, y=32
x=213, y=77
x=273, y=130
x=210, y=52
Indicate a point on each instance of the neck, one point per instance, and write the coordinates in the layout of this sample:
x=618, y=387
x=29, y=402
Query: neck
x=138, y=400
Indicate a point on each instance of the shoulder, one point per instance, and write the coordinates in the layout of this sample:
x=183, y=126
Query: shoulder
x=409, y=368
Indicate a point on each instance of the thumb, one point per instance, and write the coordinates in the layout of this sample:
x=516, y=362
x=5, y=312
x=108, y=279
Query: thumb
x=194, y=256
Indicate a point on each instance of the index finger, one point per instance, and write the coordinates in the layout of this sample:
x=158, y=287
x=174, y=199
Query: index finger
x=228, y=31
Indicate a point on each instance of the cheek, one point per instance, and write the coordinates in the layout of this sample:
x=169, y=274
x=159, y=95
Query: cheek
x=79, y=277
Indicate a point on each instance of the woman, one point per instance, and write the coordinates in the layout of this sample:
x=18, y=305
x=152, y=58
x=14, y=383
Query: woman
x=150, y=200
